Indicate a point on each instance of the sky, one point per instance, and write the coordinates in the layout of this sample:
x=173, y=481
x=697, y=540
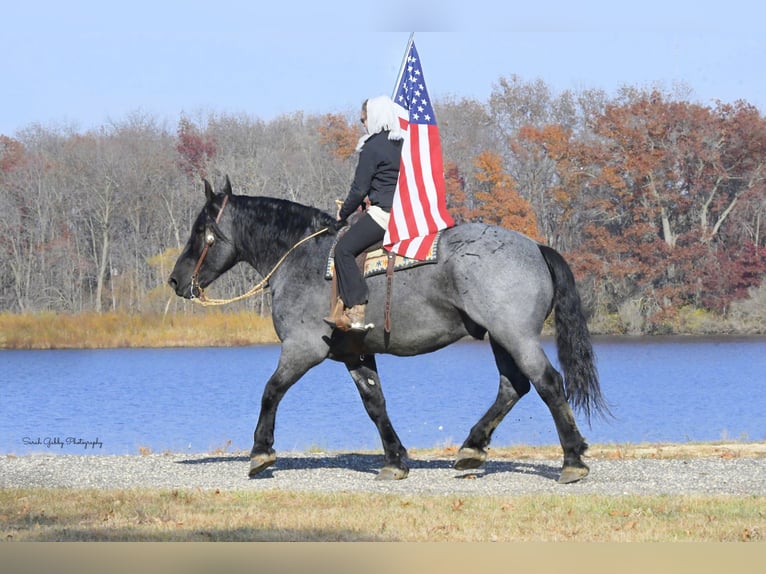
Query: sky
x=86, y=64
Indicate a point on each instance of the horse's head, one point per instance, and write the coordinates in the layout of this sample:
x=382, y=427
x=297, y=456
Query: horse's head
x=209, y=252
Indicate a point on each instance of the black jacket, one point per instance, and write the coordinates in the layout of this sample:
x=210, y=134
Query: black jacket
x=376, y=174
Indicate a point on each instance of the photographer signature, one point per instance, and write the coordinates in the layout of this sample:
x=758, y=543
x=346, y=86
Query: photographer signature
x=62, y=442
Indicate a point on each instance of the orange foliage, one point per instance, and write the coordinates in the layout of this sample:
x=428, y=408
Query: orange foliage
x=338, y=136
x=499, y=202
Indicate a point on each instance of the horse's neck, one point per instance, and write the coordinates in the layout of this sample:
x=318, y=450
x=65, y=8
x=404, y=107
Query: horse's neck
x=270, y=228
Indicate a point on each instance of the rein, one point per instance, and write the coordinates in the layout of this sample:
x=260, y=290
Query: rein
x=262, y=284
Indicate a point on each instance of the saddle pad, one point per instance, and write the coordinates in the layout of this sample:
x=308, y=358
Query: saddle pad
x=377, y=260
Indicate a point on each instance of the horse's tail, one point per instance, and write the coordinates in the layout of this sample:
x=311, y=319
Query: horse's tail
x=575, y=351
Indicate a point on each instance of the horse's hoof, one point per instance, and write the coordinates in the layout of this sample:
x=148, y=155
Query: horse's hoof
x=571, y=474
x=261, y=462
x=468, y=458
x=392, y=473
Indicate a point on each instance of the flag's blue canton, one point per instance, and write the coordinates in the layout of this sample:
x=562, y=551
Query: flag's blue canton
x=411, y=93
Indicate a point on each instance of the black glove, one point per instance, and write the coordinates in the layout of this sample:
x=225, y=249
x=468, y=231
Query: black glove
x=338, y=225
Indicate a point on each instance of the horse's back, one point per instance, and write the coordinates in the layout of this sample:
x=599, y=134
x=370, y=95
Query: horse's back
x=490, y=253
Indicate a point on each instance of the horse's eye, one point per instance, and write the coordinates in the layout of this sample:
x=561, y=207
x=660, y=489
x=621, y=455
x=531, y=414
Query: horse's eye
x=209, y=238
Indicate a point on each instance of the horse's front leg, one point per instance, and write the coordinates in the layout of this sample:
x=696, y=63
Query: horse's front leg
x=364, y=371
x=291, y=367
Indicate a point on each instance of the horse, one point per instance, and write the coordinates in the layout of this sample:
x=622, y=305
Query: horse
x=488, y=281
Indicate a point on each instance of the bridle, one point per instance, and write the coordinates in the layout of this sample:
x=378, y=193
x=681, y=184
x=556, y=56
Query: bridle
x=209, y=240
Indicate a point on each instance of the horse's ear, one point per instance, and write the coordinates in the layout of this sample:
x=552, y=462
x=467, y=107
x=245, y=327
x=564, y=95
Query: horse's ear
x=208, y=190
x=227, y=186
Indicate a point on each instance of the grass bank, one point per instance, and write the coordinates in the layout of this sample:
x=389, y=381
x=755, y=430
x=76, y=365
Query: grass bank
x=209, y=328
x=173, y=515
x=215, y=515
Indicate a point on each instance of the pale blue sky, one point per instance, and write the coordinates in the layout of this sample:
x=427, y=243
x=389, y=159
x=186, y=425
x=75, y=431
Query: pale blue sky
x=86, y=63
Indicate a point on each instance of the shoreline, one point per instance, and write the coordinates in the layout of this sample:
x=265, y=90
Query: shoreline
x=115, y=330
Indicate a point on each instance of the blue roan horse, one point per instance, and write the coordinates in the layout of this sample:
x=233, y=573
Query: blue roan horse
x=488, y=281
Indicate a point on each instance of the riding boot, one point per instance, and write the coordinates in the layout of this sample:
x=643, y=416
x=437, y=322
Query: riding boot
x=336, y=314
x=353, y=319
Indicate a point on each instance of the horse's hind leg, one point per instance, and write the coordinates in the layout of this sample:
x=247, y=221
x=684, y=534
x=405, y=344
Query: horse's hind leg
x=550, y=386
x=364, y=371
x=513, y=386
x=551, y=390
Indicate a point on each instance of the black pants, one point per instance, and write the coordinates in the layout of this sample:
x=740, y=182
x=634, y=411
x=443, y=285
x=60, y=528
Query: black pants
x=352, y=288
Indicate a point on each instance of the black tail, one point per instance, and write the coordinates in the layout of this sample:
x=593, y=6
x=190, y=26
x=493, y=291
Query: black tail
x=575, y=350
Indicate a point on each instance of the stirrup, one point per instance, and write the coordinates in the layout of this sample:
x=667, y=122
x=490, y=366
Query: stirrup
x=356, y=327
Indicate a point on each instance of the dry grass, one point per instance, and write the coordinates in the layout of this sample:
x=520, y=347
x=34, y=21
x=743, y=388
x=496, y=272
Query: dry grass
x=141, y=515
x=208, y=328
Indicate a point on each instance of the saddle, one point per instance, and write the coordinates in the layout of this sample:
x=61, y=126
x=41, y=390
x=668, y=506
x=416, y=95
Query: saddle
x=376, y=260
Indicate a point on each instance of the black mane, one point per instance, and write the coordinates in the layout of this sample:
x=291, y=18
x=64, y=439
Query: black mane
x=284, y=221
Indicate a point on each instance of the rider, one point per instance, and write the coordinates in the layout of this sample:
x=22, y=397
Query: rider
x=377, y=172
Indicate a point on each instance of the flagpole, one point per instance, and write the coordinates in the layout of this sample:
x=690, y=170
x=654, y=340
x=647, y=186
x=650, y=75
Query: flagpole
x=404, y=63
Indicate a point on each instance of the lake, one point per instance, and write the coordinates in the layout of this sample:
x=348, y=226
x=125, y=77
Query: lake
x=199, y=400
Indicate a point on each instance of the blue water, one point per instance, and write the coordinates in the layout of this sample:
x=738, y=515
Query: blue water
x=197, y=400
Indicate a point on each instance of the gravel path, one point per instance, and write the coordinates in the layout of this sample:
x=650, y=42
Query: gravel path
x=344, y=472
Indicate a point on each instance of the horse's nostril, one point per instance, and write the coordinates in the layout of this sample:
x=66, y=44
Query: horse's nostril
x=172, y=282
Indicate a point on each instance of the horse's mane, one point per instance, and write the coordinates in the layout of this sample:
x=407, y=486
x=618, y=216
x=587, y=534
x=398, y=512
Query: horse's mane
x=283, y=219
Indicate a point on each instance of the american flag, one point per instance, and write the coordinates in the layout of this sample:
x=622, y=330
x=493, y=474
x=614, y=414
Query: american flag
x=420, y=202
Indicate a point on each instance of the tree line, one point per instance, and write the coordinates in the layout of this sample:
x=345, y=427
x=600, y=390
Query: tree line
x=657, y=201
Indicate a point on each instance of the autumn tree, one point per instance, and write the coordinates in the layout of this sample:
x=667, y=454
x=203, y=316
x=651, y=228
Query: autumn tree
x=498, y=201
x=338, y=136
x=11, y=154
x=657, y=180
x=195, y=148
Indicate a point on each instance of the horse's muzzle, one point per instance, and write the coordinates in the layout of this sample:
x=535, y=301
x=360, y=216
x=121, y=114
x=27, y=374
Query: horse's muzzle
x=181, y=291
